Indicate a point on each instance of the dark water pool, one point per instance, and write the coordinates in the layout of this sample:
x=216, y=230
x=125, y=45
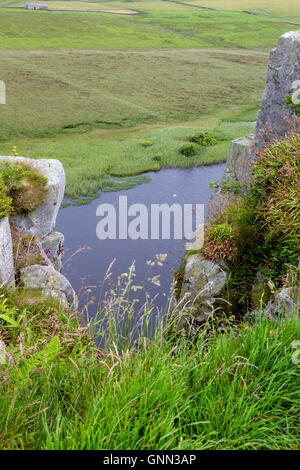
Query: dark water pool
x=78, y=223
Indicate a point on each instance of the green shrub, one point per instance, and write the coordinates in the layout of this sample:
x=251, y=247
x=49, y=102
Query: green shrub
x=24, y=186
x=203, y=138
x=220, y=232
x=188, y=150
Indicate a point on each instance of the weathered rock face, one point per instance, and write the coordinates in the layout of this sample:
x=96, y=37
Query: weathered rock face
x=203, y=281
x=284, y=70
x=238, y=167
x=286, y=301
x=53, y=246
x=7, y=278
x=50, y=281
x=42, y=221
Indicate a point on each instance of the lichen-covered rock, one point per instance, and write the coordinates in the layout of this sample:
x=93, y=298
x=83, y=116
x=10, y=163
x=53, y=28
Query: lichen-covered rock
x=41, y=221
x=53, y=246
x=48, y=279
x=284, y=70
x=203, y=281
x=7, y=277
x=237, y=168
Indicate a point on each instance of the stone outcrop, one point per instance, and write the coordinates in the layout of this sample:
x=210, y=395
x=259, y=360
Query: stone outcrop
x=7, y=278
x=51, y=282
x=203, y=281
x=284, y=71
x=238, y=161
x=43, y=250
x=42, y=221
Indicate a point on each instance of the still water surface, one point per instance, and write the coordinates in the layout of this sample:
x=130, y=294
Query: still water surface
x=87, y=268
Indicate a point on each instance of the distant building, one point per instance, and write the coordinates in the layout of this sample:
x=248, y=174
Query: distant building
x=36, y=6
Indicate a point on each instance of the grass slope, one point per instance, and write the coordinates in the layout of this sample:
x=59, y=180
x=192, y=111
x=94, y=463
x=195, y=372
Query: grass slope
x=59, y=91
x=54, y=108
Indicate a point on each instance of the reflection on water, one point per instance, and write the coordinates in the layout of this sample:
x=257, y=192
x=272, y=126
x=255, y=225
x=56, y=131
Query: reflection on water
x=88, y=267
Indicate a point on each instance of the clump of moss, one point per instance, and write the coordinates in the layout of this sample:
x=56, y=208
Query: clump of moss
x=260, y=231
x=22, y=188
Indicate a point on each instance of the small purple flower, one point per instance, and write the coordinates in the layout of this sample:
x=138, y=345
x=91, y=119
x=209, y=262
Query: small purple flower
x=48, y=251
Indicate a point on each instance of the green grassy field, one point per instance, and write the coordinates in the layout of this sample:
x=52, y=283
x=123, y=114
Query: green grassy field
x=61, y=91
x=101, y=116
x=176, y=26
x=89, y=86
x=286, y=8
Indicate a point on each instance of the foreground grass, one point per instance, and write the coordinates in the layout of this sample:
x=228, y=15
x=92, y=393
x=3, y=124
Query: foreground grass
x=235, y=390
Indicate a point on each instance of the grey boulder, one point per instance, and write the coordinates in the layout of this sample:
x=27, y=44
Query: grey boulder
x=51, y=282
x=203, y=281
